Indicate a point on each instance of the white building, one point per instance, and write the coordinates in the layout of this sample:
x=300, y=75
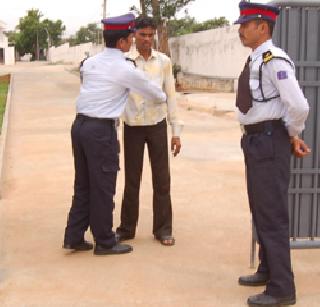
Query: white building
x=6, y=52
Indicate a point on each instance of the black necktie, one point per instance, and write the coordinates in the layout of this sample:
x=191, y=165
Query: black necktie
x=244, y=98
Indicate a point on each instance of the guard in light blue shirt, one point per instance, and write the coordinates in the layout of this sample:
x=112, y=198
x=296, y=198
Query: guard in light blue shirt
x=107, y=79
x=272, y=111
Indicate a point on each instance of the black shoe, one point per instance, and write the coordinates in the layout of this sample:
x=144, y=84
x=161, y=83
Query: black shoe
x=123, y=236
x=82, y=246
x=256, y=279
x=115, y=250
x=264, y=299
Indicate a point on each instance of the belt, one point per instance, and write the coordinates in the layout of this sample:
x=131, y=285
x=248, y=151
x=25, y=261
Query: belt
x=79, y=115
x=265, y=126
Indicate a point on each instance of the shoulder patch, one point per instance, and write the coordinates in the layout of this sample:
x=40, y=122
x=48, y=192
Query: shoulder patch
x=267, y=56
x=282, y=75
x=133, y=61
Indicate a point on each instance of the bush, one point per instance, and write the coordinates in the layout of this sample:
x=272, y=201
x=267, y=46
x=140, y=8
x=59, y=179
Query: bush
x=4, y=83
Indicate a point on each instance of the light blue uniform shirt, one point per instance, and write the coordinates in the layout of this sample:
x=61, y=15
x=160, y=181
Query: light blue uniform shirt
x=278, y=78
x=106, y=80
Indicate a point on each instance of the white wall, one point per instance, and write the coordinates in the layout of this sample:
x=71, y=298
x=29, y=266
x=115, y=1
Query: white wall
x=75, y=55
x=214, y=53
x=9, y=56
x=3, y=40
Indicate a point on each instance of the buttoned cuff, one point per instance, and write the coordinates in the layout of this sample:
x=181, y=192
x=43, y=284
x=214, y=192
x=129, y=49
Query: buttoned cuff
x=176, y=129
x=294, y=132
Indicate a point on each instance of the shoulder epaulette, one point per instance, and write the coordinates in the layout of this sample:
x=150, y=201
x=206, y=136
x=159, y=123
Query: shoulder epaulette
x=267, y=56
x=133, y=61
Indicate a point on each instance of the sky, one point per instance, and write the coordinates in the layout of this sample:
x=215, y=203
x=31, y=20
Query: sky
x=77, y=13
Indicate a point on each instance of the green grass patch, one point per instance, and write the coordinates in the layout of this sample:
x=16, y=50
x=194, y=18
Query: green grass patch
x=4, y=84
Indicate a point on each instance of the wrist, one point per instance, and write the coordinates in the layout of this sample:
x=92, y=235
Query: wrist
x=293, y=138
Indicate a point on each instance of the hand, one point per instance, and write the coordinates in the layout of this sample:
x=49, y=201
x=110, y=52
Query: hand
x=299, y=148
x=175, y=145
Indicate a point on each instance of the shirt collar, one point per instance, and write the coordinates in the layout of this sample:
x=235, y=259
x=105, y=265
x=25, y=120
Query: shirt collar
x=261, y=49
x=114, y=52
x=134, y=54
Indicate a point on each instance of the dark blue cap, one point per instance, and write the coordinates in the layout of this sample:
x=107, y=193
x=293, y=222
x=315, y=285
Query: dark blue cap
x=250, y=11
x=119, y=23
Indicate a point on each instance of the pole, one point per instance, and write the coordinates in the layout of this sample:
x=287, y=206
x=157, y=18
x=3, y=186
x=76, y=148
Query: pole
x=49, y=43
x=104, y=13
x=143, y=7
x=37, y=53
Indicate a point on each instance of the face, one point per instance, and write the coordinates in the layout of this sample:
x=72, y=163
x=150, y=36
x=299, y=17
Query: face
x=125, y=43
x=251, y=33
x=144, y=38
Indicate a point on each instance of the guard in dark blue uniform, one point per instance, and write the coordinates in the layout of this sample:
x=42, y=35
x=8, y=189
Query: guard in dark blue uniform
x=107, y=79
x=272, y=111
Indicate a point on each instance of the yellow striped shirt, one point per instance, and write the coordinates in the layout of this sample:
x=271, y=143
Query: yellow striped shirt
x=140, y=111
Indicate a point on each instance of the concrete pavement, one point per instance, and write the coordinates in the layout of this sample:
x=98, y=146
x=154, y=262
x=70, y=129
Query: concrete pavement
x=211, y=216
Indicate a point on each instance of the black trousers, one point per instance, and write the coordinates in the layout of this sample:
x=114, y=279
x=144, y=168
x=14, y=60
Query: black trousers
x=135, y=138
x=267, y=158
x=96, y=161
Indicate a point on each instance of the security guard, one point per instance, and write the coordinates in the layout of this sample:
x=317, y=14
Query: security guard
x=107, y=79
x=272, y=112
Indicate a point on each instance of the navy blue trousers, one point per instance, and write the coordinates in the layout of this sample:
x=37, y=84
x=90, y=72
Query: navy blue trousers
x=96, y=162
x=267, y=158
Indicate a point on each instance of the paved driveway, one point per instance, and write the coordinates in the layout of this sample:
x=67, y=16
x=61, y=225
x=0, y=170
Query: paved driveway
x=211, y=216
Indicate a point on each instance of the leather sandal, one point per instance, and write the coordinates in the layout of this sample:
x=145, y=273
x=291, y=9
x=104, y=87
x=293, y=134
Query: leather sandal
x=166, y=240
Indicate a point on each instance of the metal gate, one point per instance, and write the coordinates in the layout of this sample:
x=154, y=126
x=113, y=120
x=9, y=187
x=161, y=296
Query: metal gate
x=297, y=31
x=1, y=55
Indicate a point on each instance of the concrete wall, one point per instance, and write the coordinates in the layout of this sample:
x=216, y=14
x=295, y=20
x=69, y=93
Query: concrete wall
x=75, y=55
x=9, y=58
x=187, y=82
x=216, y=53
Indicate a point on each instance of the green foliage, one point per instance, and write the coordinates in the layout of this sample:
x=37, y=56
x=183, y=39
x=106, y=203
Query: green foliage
x=55, y=30
x=189, y=25
x=90, y=33
x=177, y=27
x=31, y=29
x=3, y=98
x=168, y=8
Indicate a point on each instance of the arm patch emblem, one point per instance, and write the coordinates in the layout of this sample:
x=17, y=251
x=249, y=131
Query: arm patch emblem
x=282, y=75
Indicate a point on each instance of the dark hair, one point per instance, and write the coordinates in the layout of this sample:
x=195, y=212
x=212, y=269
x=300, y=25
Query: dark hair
x=269, y=23
x=271, y=27
x=142, y=22
x=111, y=37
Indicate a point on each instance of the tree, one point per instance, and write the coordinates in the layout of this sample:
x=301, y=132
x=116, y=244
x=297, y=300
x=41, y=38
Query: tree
x=33, y=34
x=54, y=29
x=188, y=25
x=167, y=8
x=164, y=9
x=211, y=24
x=90, y=33
x=29, y=33
x=143, y=7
